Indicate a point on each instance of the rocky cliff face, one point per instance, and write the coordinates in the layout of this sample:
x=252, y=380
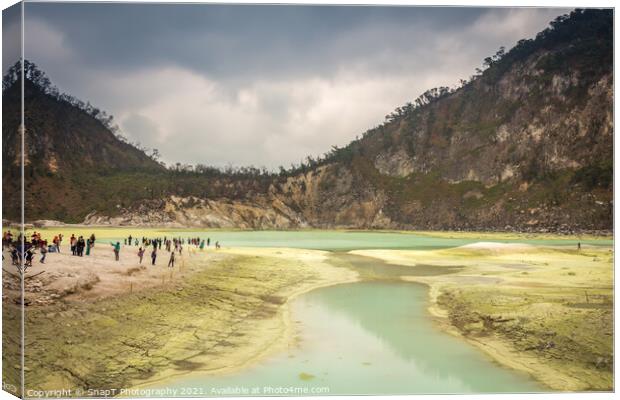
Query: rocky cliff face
x=527, y=123
x=527, y=145
x=199, y=213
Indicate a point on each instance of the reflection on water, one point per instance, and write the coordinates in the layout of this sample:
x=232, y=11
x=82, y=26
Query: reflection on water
x=370, y=338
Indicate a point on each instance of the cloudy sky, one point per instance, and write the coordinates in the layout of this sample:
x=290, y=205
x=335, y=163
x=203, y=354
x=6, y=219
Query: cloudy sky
x=261, y=85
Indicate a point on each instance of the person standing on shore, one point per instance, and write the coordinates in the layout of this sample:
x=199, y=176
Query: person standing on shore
x=140, y=254
x=28, y=257
x=92, y=240
x=80, y=246
x=171, y=261
x=43, y=251
x=7, y=239
x=88, y=245
x=117, y=249
x=15, y=255
x=73, y=243
x=153, y=256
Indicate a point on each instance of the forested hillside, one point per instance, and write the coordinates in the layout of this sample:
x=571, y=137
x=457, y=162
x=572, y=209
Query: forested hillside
x=526, y=143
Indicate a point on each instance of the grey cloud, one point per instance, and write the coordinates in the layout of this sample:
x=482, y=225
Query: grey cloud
x=262, y=85
x=142, y=129
x=11, y=36
x=235, y=41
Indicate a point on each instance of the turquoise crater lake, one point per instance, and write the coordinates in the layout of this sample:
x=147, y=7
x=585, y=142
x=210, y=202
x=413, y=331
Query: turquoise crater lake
x=333, y=240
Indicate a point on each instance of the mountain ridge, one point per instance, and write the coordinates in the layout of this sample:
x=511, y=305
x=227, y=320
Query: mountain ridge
x=526, y=145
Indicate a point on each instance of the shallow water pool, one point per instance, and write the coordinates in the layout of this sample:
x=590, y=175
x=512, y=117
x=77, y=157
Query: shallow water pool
x=365, y=338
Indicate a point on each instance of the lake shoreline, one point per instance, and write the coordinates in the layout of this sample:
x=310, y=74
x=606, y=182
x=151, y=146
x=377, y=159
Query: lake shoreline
x=464, y=304
x=500, y=234
x=283, y=336
x=498, y=350
x=223, y=311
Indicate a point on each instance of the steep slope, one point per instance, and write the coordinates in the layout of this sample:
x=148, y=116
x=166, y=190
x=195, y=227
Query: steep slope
x=527, y=145
x=544, y=106
x=64, y=147
x=60, y=137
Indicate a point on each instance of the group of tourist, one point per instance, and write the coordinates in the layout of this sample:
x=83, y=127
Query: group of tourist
x=24, y=250
x=80, y=246
x=171, y=245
